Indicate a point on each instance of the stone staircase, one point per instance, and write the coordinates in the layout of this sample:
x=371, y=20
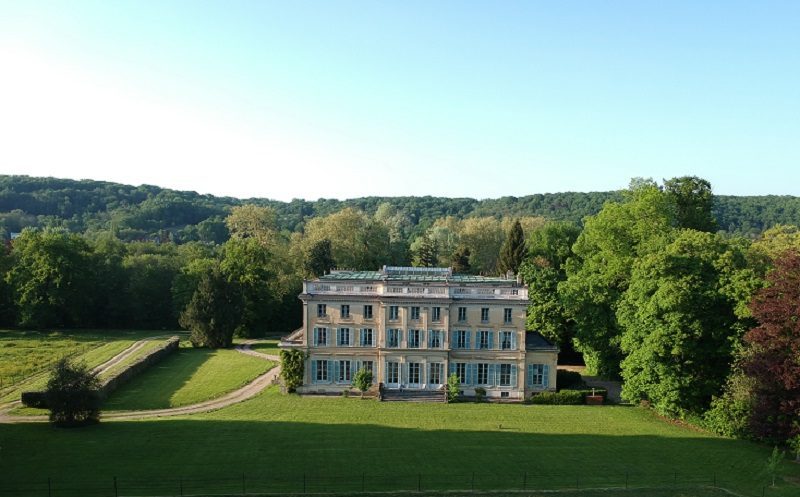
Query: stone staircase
x=414, y=395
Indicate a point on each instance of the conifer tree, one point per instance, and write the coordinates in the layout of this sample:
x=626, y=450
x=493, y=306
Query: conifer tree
x=513, y=251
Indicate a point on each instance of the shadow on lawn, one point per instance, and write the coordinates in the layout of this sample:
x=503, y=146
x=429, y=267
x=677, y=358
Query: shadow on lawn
x=174, y=457
x=155, y=387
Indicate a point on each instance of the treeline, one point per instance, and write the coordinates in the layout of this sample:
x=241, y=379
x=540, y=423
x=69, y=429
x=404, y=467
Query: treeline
x=151, y=213
x=698, y=325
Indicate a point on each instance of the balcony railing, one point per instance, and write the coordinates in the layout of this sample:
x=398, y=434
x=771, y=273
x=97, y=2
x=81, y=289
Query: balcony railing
x=453, y=292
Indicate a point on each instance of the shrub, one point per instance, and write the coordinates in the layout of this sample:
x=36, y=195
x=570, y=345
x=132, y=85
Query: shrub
x=72, y=395
x=562, y=398
x=569, y=380
x=362, y=380
x=480, y=394
x=292, y=368
x=453, y=386
x=34, y=399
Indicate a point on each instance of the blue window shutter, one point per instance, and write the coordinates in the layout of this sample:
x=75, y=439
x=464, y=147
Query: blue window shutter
x=404, y=373
x=313, y=371
x=338, y=332
x=421, y=337
x=385, y=371
x=468, y=374
x=468, y=336
x=330, y=371
x=514, y=375
x=350, y=336
x=316, y=337
x=514, y=340
x=399, y=338
x=492, y=371
x=362, y=333
x=444, y=337
x=530, y=375
x=335, y=371
x=430, y=339
x=545, y=376
x=491, y=340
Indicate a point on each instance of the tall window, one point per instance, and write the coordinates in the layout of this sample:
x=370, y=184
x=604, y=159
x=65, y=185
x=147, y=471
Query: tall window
x=394, y=312
x=392, y=372
x=507, y=315
x=483, y=373
x=368, y=365
x=462, y=314
x=484, y=340
x=536, y=375
x=322, y=310
x=462, y=339
x=320, y=337
x=434, y=339
x=393, y=338
x=367, y=312
x=435, y=373
x=367, y=337
x=505, y=375
x=413, y=339
x=413, y=373
x=484, y=315
x=436, y=314
x=345, y=310
x=506, y=340
x=343, y=339
x=415, y=313
x=345, y=375
x=461, y=372
x=322, y=371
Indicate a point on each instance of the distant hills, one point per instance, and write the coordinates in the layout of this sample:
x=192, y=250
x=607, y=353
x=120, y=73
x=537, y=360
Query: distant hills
x=140, y=212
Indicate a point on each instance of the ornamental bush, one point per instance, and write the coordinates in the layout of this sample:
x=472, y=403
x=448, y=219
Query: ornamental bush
x=562, y=398
x=292, y=368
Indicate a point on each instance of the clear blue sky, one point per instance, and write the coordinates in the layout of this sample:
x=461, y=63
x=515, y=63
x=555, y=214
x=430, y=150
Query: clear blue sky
x=343, y=99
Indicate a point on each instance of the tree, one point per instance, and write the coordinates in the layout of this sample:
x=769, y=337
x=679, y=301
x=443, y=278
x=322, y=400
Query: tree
x=51, y=278
x=483, y=236
x=320, y=259
x=426, y=251
x=71, y=394
x=357, y=240
x=774, y=463
x=292, y=369
x=252, y=221
x=679, y=327
x=693, y=202
x=453, y=387
x=772, y=353
x=513, y=251
x=214, y=311
x=362, y=380
x=461, y=260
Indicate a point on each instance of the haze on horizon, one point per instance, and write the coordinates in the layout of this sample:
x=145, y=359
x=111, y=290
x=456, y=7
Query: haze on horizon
x=350, y=99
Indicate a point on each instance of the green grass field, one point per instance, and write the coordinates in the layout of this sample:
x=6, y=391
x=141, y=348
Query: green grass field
x=25, y=356
x=268, y=346
x=335, y=444
x=187, y=377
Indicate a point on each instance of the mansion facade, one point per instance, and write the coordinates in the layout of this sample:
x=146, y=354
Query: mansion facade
x=413, y=327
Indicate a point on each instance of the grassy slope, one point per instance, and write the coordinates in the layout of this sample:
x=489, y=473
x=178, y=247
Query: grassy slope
x=276, y=439
x=27, y=354
x=187, y=377
x=269, y=346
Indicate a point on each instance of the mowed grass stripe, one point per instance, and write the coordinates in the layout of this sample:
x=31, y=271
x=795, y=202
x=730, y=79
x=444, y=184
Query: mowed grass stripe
x=187, y=377
x=275, y=436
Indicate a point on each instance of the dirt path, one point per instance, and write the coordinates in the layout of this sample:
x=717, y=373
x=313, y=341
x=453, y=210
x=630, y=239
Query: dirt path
x=246, y=392
x=132, y=349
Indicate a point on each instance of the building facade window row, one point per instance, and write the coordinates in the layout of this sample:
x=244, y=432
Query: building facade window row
x=416, y=338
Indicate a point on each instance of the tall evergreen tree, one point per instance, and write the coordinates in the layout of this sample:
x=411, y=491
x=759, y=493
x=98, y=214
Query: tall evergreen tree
x=214, y=312
x=320, y=259
x=427, y=252
x=512, y=252
x=461, y=260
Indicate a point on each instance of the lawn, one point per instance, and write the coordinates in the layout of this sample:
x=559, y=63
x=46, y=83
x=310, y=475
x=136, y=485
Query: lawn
x=25, y=356
x=187, y=377
x=287, y=444
x=268, y=346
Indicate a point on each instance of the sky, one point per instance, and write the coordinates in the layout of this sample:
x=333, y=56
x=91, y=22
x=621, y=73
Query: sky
x=341, y=99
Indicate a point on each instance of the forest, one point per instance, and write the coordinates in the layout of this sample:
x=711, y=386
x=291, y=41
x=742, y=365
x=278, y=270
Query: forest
x=690, y=299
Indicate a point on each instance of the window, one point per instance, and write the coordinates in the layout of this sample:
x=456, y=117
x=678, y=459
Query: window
x=538, y=375
x=484, y=315
x=415, y=313
x=367, y=338
x=507, y=315
x=506, y=340
x=394, y=312
x=393, y=339
x=344, y=372
x=484, y=340
x=320, y=337
x=368, y=365
x=367, y=312
x=322, y=310
x=435, y=373
x=483, y=373
x=505, y=375
x=345, y=310
x=435, y=339
x=321, y=374
x=462, y=340
x=462, y=314
x=461, y=372
x=392, y=372
x=436, y=313
x=343, y=338
x=413, y=339
x=413, y=373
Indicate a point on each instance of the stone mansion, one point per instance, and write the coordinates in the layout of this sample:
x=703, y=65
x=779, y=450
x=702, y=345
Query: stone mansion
x=413, y=327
